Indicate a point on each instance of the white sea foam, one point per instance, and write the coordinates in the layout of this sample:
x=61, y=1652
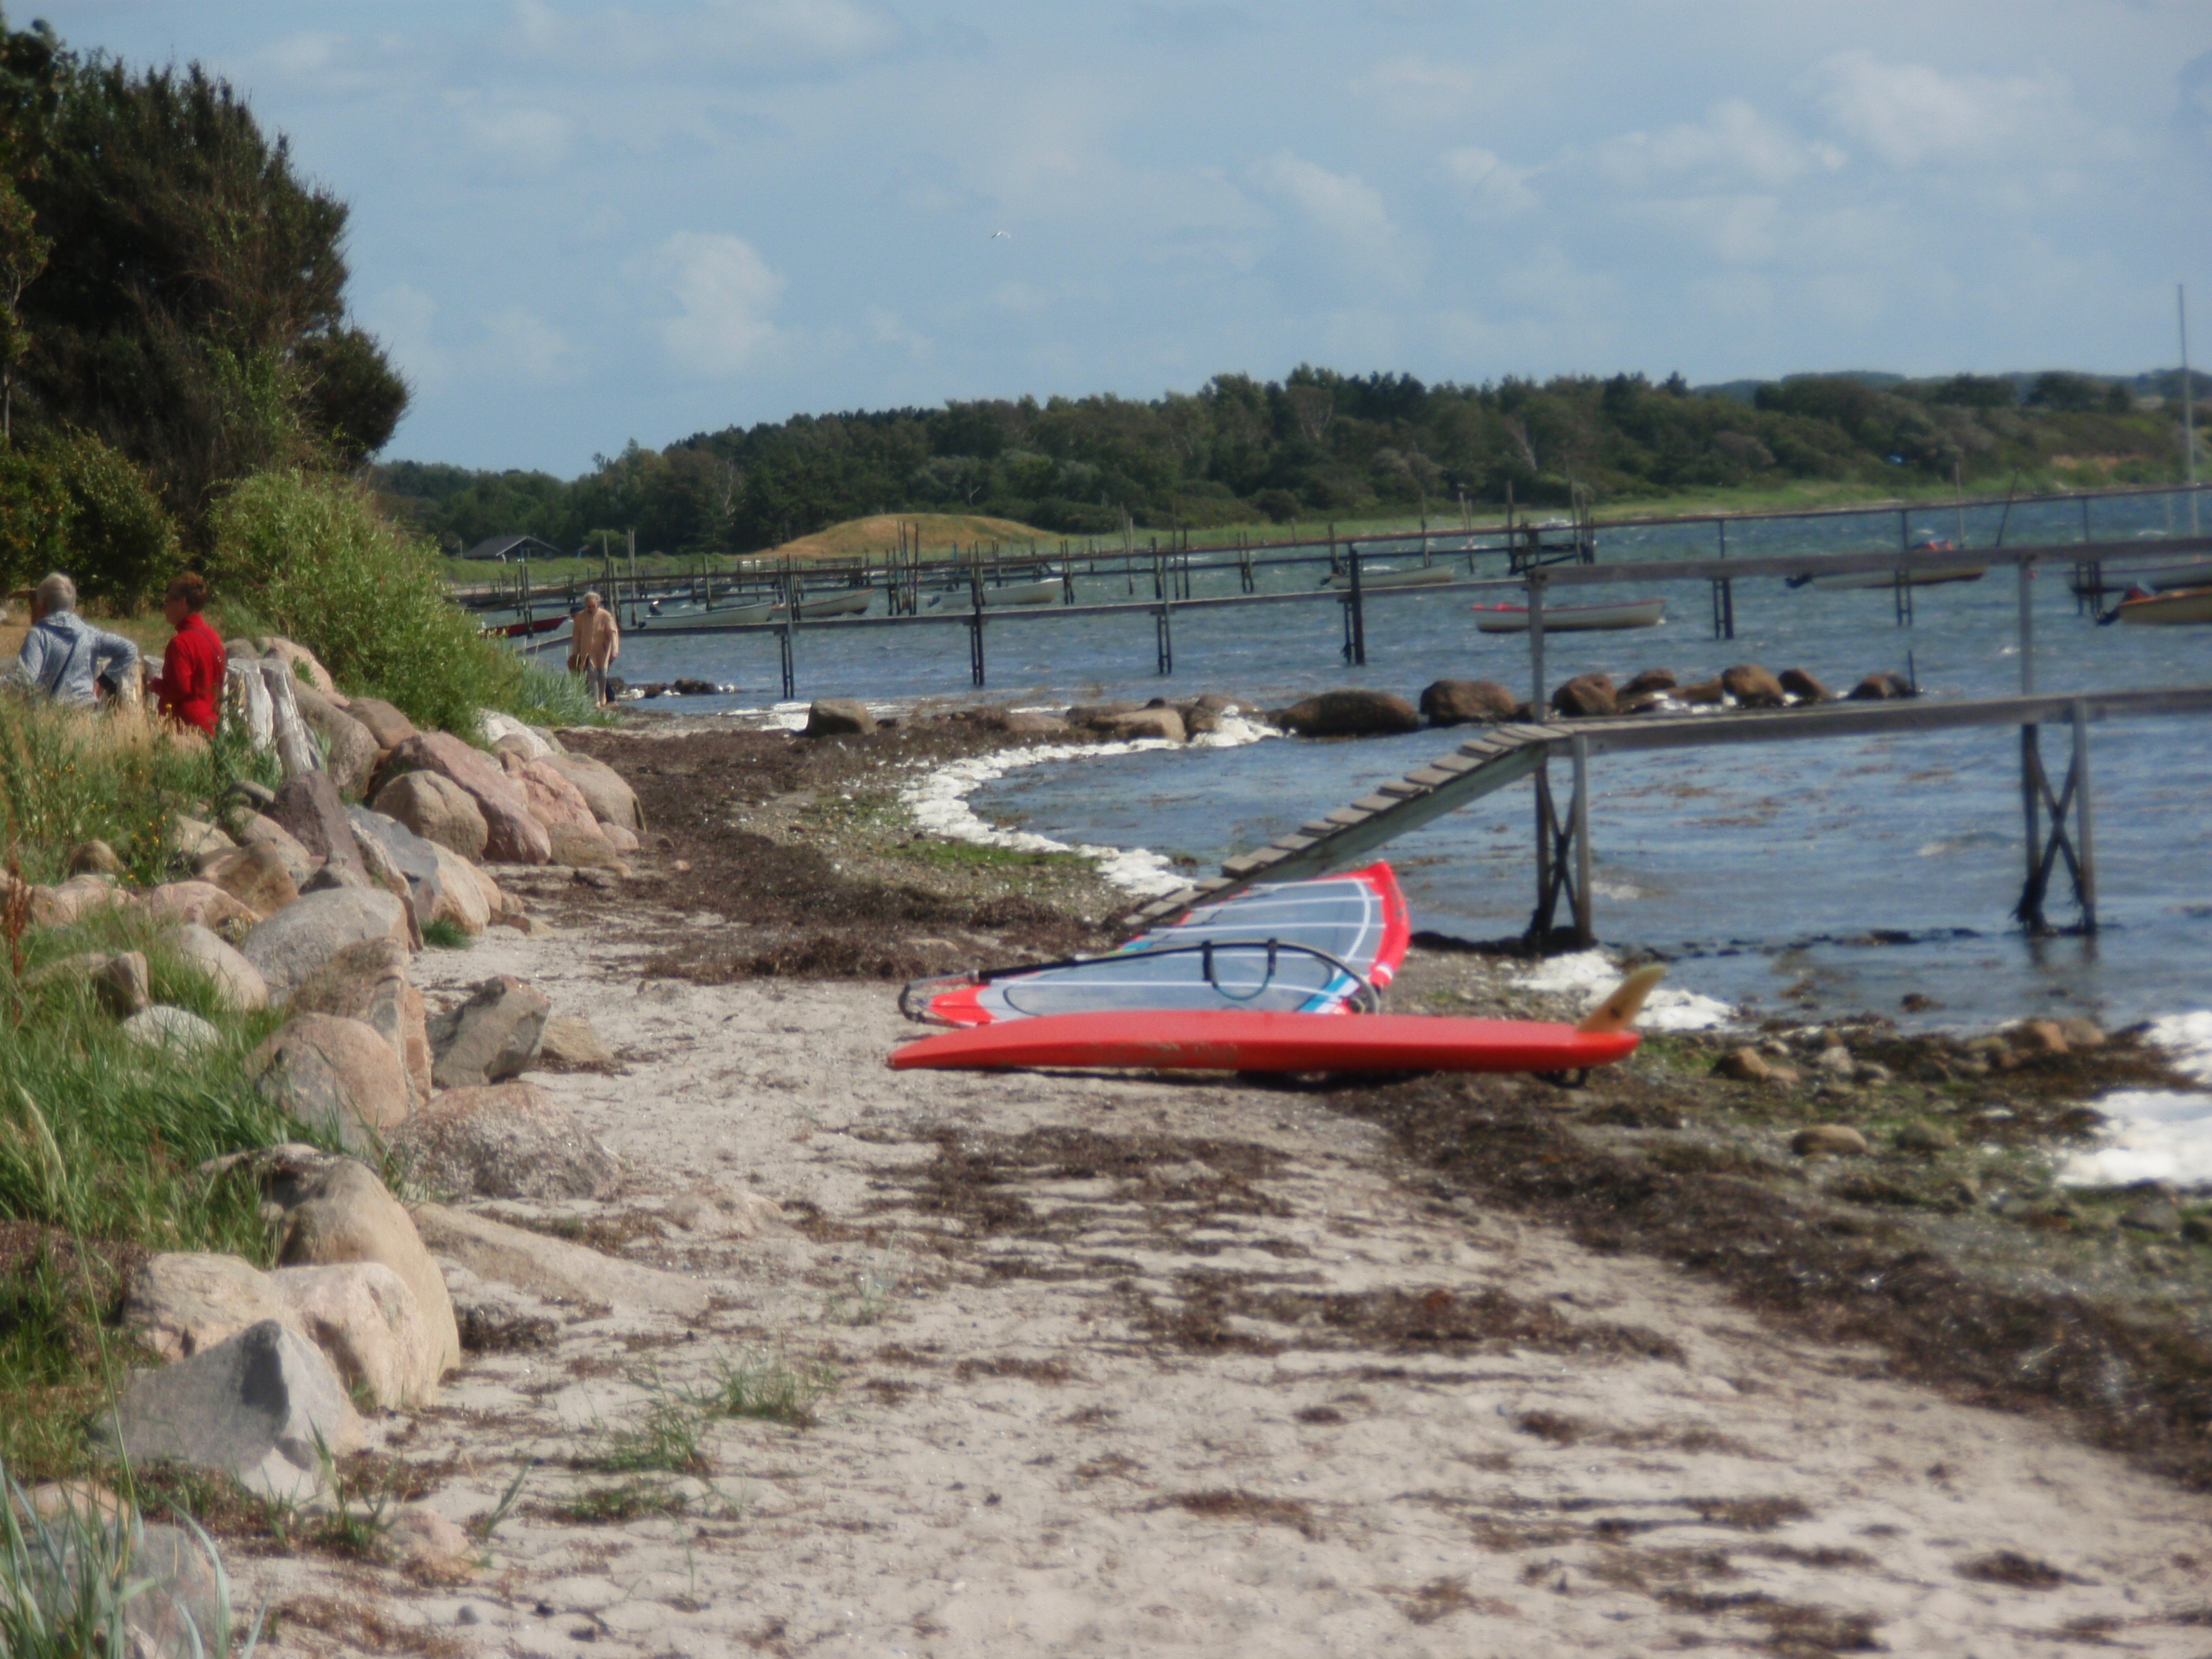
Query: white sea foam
x=939, y=801
x=1591, y=976
x=2155, y=1134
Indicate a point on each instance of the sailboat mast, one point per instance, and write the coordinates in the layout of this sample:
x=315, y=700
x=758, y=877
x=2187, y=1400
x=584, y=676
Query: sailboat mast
x=2188, y=402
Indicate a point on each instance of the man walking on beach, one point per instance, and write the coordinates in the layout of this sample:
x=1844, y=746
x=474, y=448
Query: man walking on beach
x=65, y=658
x=594, y=645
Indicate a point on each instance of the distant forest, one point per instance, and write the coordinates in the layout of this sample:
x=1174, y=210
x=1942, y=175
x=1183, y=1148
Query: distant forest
x=1316, y=445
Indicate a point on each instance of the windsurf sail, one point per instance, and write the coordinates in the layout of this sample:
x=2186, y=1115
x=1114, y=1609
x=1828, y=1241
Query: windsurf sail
x=1312, y=947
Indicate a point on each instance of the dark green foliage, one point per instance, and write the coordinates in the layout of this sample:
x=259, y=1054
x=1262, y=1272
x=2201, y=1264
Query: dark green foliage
x=1318, y=445
x=191, y=313
x=68, y=501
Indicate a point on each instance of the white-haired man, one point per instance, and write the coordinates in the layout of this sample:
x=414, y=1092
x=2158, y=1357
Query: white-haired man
x=594, y=642
x=65, y=658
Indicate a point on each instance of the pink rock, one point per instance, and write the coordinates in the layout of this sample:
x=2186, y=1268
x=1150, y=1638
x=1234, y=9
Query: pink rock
x=513, y=834
x=198, y=902
x=553, y=800
x=619, y=837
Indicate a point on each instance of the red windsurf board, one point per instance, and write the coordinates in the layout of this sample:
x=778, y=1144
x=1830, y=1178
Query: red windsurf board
x=1238, y=1040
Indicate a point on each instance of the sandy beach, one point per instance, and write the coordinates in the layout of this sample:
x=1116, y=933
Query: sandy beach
x=1090, y=1365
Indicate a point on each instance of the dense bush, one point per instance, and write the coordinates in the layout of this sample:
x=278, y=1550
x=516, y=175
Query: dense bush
x=70, y=502
x=314, y=558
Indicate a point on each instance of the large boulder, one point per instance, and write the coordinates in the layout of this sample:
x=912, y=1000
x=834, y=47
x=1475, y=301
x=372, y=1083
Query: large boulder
x=531, y=742
x=512, y=833
x=611, y=798
x=437, y=810
x=177, y=1032
x=1803, y=687
x=394, y=851
x=384, y=872
x=264, y=1407
x=185, y=1301
x=553, y=800
x=1586, y=696
x=259, y=830
x=505, y=1140
x=1350, y=714
x=308, y=807
x=336, y=1074
x=350, y=750
x=1704, y=693
x=336, y=1210
x=304, y=935
x=839, y=717
x=464, y=893
x=494, y=1034
x=386, y=724
x=367, y=1323
x=1461, y=702
x=553, y=1267
x=193, y=839
x=256, y=879
x=1752, y=686
x=368, y=982
x=1879, y=687
x=1136, y=723
x=1650, y=680
x=306, y=667
x=571, y=1045
x=117, y=980
x=583, y=849
x=238, y=982
x=75, y=899
x=201, y=904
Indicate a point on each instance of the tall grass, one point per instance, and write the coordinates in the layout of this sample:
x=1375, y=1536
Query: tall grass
x=69, y=775
x=311, y=554
x=74, y=1585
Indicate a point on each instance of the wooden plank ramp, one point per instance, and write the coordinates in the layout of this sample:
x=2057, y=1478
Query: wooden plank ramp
x=1505, y=754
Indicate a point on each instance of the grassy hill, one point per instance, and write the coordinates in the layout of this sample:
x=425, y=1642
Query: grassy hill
x=939, y=533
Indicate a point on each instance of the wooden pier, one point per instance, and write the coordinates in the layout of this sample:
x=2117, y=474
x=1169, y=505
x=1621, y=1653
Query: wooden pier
x=2061, y=825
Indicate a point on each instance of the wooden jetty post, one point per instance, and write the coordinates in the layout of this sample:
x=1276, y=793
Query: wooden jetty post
x=1355, y=613
x=976, y=632
x=1724, y=594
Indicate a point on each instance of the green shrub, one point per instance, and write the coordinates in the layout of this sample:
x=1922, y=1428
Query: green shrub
x=320, y=564
x=72, y=504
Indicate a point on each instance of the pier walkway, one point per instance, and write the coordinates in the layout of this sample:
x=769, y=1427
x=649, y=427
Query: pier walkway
x=1504, y=754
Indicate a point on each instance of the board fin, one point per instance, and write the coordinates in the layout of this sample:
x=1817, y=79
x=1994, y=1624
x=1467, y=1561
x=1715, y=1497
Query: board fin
x=1620, y=1010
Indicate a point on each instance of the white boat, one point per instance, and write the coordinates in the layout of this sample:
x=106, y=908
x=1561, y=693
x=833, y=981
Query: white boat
x=1418, y=576
x=835, y=605
x=2163, y=577
x=1039, y=592
x=1571, y=618
x=2186, y=605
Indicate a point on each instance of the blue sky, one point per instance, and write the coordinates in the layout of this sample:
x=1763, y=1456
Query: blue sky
x=576, y=224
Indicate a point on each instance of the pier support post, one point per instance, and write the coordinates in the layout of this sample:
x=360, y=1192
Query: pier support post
x=1536, y=642
x=1563, y=859
x=2044, y=850
x=1163, y=633
x=975, y=640
x=1355, y=613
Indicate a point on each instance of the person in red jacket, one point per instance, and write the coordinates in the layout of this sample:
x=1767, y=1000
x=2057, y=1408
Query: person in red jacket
x=191, y=682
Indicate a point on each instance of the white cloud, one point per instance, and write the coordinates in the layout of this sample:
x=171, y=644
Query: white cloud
x=888, y=328
x=756, y=35
x=1742, y=229
x=1349, y=214
x=523, y=344
x=724, y=292
x=404, y=317
x=1491, y=188
x=1734, y=141
x=1907, y=113
x=522, y=135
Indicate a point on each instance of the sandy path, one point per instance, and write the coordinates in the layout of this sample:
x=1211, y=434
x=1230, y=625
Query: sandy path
x=1149, y=1368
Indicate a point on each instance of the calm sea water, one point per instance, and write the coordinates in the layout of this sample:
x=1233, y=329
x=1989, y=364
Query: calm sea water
x=1854, y=872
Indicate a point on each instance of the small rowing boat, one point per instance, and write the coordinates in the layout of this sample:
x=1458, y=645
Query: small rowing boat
x=2186, y=605
x=517, y=630
x=1038, y=592
x=1417, y=576
x=1571, y=618
x=1853, y=582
